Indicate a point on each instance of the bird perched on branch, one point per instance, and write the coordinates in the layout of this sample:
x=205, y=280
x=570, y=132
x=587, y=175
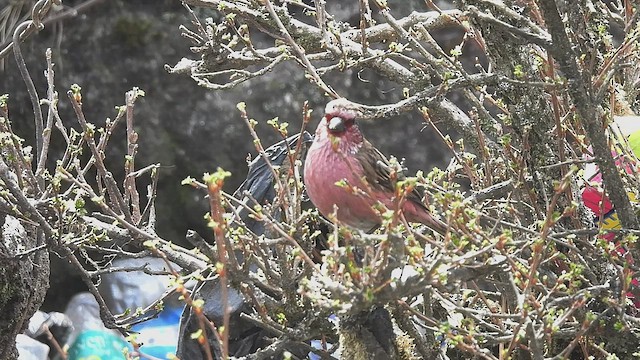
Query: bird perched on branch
x=340, y=153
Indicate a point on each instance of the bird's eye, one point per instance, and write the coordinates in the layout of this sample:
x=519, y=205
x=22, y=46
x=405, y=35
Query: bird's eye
x=336, y=125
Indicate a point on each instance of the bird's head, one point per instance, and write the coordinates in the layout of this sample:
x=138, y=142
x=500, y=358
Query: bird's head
x=340, y=116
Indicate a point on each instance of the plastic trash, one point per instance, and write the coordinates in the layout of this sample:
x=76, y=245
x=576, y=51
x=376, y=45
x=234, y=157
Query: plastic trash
x=133, y=290
x=594, y=197
x=90, y=339
x=30, y=349
x=44, y=325
x=259, y=182
x=159, y=336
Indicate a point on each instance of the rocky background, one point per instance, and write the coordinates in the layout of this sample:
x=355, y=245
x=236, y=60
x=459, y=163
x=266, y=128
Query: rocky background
x=116, y=45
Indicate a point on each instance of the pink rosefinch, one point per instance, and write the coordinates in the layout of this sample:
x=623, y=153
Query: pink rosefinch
x=341, y=153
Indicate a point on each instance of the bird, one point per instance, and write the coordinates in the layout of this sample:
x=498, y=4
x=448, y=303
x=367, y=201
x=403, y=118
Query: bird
x=340, y=153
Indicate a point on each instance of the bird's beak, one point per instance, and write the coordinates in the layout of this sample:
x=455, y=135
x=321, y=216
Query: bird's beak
x=336, y=124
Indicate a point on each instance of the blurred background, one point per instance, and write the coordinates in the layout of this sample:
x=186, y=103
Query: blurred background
x=109, y=47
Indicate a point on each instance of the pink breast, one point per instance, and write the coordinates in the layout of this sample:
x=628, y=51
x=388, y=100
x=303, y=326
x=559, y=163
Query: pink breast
x=323, y=169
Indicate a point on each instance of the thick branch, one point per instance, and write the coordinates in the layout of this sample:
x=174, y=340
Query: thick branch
x=590, y=114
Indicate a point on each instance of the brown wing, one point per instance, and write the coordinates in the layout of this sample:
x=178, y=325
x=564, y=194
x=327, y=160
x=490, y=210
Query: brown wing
x=377, y=172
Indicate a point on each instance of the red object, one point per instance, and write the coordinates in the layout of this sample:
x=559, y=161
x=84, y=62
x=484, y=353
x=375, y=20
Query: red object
x=340, y=152
x=592, y=197
x=599, y=203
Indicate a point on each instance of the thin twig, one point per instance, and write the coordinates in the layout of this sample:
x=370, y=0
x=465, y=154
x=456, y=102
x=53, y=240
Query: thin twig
x=300, y=52
x=132, y=198
x=112, y=188
x=52, y=99
x=31, y=90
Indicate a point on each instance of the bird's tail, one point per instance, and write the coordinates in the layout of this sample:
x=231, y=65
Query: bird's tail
x=436, y=225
